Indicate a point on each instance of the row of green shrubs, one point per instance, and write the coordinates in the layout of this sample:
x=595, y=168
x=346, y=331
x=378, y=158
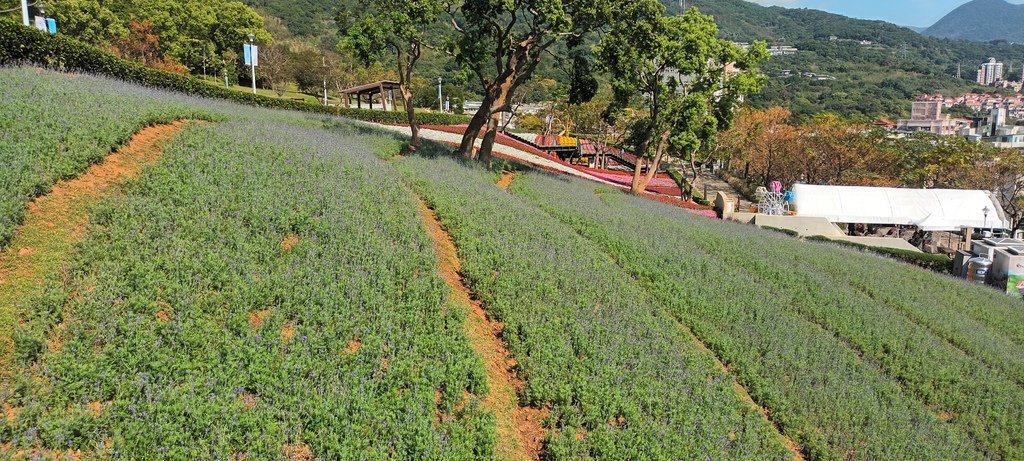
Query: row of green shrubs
x=934, y=262
x=25, y=45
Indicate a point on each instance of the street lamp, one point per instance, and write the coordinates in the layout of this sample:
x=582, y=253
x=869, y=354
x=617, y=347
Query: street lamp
x=252, y=60
x=440, y=99
x=985, y=211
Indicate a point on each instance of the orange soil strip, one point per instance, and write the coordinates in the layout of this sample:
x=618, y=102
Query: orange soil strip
x=297, y=452
x=519, y=432
x=506, y=180
x=744, y=394
x=56, y=222
x=256, y=318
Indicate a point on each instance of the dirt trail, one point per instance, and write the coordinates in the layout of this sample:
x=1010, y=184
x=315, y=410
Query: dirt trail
x=744, y=394
x=519, y=432
x=741, y=391
x=506, y=180
x=57, y=221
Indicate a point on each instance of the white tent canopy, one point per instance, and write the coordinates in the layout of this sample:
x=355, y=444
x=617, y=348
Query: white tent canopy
x=928, y=209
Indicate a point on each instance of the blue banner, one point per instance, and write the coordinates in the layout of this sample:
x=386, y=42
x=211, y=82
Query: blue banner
x=51, y=26
x=247, y=52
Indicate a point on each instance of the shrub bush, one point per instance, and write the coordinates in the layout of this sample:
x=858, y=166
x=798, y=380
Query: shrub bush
x=937, y=263
x=789, y=232
x=20, y=44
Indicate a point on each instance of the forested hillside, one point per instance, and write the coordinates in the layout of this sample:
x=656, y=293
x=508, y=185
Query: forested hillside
x=870, y=80
x=853, y=77
x=304, y=17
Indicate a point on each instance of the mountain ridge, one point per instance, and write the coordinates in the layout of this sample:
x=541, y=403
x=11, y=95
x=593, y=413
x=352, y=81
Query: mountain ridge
x=982, y=20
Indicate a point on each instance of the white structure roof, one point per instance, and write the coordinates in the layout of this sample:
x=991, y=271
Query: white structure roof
x=928, y=209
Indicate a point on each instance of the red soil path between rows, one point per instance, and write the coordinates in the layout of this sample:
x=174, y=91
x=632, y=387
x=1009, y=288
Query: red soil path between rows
x=506, y=181
x=519, y=435
x=56, y=222
x=744, y=394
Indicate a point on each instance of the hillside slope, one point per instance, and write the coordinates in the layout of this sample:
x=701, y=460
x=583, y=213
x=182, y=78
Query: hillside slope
x=268, y=290
x=303, y=17
x=982, y=20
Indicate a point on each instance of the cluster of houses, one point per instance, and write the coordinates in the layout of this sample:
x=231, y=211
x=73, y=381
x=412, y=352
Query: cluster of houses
x=1014, y=104
x=810, y=75
x=995, y=125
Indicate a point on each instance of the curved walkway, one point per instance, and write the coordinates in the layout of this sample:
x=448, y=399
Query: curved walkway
x=511, y=152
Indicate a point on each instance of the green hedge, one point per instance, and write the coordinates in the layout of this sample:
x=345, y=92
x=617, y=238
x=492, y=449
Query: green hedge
x=789, y=232
x=22, y=45
x=934, y=262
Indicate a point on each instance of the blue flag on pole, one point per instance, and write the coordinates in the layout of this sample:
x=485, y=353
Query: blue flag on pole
x=51, y=26
x=247, y=52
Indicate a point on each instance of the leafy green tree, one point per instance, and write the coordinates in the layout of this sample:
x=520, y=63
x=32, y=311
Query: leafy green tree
x=503, y=42
x=680, y=72
x=190, y=32
x=276, y=69
x=308, y=67
x=88, y=21
x=398, y=28
x=231, y=24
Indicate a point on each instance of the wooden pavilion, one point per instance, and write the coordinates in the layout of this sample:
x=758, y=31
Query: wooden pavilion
x=384, y=90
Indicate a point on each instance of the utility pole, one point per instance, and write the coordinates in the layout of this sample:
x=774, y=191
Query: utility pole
x=323, y=60
x=440, y=98
x=24, y=13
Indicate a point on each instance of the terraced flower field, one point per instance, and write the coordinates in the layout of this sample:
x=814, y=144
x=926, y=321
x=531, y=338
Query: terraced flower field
x=52, y=129
x=820, y=334
x=269, y=288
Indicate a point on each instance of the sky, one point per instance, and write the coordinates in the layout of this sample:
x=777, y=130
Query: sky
x=919, y=13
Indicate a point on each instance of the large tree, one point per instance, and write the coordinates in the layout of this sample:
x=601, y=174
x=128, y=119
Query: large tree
x=189, y=31
x=688, y=80
x=503, y=42
x=398, y=27
x=88, y=21
x=766, y=147
x=275, y=67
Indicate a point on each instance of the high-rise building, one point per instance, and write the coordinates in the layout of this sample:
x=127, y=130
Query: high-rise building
x=990, y=72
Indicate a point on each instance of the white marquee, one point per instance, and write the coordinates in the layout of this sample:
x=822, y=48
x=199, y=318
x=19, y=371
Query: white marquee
x=929, y=209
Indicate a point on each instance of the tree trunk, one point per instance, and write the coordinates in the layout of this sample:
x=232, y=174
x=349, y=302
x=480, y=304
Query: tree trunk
x=640, y=161
x=641, y=187
x=498, y=96
x=634, y=186
x=478, y=121
x=687, y=192
x=484, y=155
x=410, y=111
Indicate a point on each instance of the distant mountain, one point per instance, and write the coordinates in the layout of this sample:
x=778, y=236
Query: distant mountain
x=982, y=20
